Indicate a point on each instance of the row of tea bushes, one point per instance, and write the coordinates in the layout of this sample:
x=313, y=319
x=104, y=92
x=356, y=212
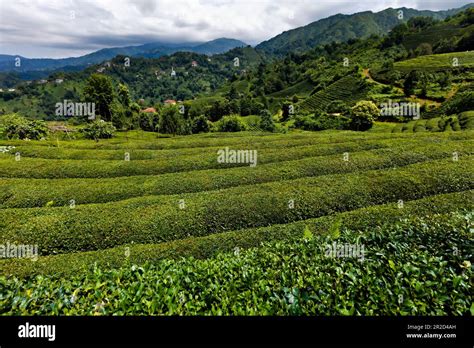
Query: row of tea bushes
x=409, y=268
x=203, y=141
x=156, y=219
x=51, y=169
x=54, y=152
x=209, y=246
x=23, y=193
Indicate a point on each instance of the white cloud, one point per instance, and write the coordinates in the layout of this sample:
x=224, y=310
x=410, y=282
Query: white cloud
x=60, y=28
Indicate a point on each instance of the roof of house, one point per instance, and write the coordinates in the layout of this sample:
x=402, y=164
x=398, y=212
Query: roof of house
x=149, y=110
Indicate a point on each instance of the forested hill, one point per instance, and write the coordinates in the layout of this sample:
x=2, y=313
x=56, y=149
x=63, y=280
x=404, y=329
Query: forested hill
x=340, y=28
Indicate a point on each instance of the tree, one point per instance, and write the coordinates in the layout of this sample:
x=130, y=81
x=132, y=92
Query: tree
x=99, y=90
x=233, y=94
x=171, y=121
x=287, y=110
x=200, y=125
x=424, y=49
x=363, y=115
x=337, y=107
x=231, y=124
x=266, y=121
x=410, y=83
x=124, y=95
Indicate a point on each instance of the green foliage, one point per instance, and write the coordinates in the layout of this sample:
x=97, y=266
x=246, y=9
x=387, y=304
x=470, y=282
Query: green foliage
x=436, y=281
x=411, y=82
x=148, y=121
x=266, y=121
x=98, y=129
x=348, y=90
x=363, y=115
x=337, y=107
x=297, y=163
x=17, y=127
x=99, y=90
x=172, y=122
x=156, y=219
x=201, y=125
x=209, y=246
x=463, y=101
x=231, y=124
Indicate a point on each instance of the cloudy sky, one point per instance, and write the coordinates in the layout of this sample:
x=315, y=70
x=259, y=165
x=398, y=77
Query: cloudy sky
x=65, y=28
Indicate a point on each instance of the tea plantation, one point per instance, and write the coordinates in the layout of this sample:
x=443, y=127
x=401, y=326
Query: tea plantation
x=140, y=225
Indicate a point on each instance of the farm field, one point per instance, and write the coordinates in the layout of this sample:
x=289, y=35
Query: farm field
x=438, y=62
x=159, y=226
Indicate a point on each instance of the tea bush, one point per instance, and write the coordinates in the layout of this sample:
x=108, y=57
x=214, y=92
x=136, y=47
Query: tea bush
x=156, y=219
x=409, y=268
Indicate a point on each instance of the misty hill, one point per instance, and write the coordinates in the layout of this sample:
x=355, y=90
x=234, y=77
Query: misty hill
x=150, y=50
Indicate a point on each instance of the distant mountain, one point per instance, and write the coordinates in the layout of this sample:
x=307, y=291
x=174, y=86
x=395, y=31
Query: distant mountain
x=340, y=28
x=150, y=50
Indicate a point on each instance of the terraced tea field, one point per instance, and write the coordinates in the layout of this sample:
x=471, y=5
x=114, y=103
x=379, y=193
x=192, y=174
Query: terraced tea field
x=145, y=225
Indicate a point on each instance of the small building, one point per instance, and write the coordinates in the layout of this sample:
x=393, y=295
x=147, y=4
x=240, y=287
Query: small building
x=194, y=64
x=58, y=81
x=42, y=82
x=101, y=70
x=1, y=90
x=149, y=110
x=170, y=102
x=11, y=90
x=173, y=73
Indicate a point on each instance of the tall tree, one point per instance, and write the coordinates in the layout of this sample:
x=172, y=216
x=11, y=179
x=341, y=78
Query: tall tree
x=99, y=90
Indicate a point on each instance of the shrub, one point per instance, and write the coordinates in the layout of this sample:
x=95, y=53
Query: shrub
x=201, y=125
x=263, y=280
x=266, y=121
x=98, y=129
x=363, y=115
x=148, y=121
x=18, y=127
x=172, y=122
x=209, y=246
x=231, y=124
x=24, y=193
x=463, y=101
x=337, y=107
x=159, y=219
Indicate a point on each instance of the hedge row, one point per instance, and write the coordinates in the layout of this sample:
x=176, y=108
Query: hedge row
x=183, y=142
x=53, y=169
x=409, y=268
x=54, y=152
x=158, y=219
x=25, y=193
x=209, y=246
